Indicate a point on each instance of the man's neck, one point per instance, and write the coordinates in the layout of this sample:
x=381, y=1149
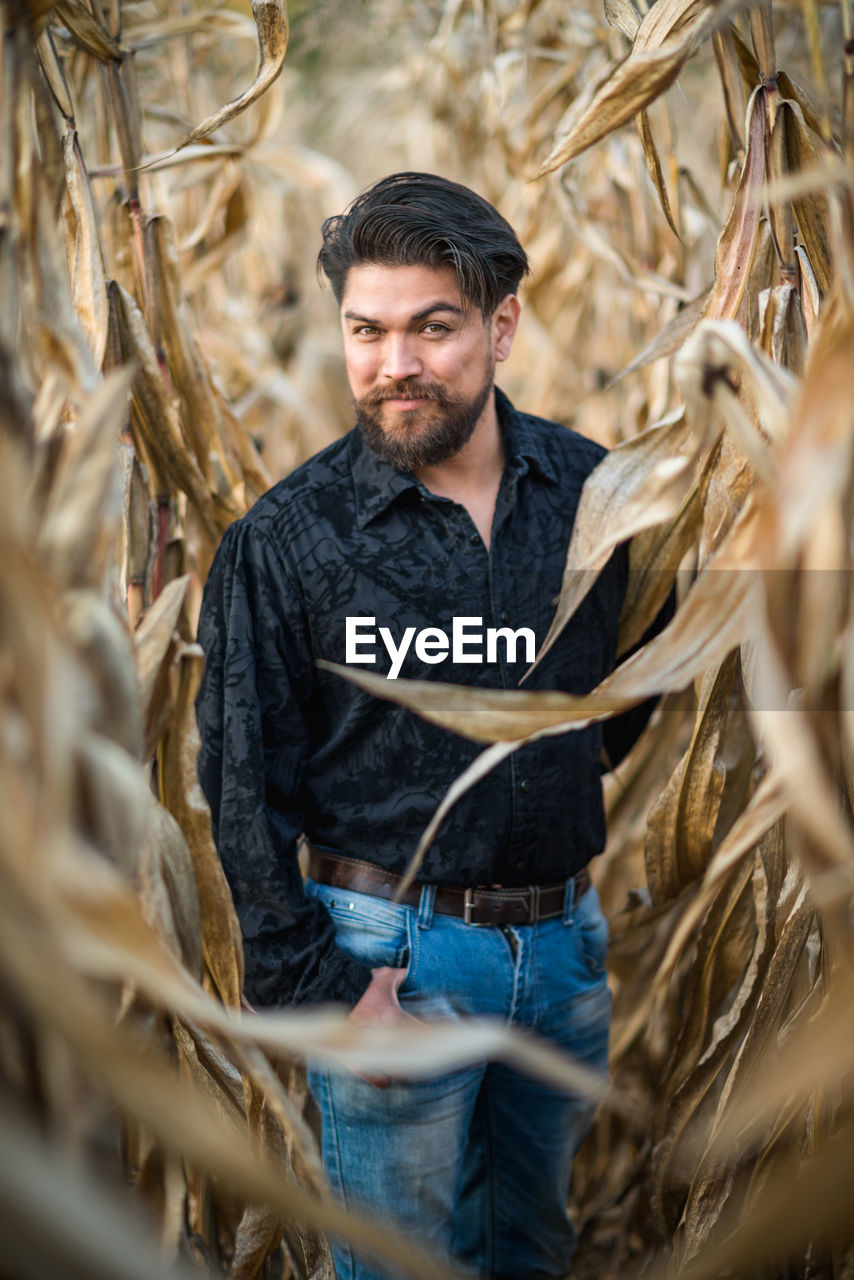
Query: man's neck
x=473, y=475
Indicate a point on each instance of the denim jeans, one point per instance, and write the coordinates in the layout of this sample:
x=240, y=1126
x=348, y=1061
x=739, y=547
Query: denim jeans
x=474, y=1165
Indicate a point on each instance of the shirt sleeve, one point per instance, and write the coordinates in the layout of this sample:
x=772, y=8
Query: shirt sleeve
x=252, y=713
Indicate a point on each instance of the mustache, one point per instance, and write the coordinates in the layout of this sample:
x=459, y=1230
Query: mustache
x=404, y=390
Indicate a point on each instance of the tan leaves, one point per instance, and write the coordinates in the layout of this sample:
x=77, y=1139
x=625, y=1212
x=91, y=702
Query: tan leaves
x=271, y=19
x=200, y=410
x=82, y=513
x=182, y=796
x=636, y=487
x=737, y=241
x=664, y=41
x=87, y=31
x=88, y=286
x=156, y=415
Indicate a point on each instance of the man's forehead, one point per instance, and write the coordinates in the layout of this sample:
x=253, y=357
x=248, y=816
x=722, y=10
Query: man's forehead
x=400, y=293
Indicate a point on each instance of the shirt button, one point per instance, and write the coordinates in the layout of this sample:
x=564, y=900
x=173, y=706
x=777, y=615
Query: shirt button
x=474, y=539
x=504, y=616
x=525, y=785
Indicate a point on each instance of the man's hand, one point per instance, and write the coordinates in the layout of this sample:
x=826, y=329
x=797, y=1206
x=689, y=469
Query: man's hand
x=379, y=1004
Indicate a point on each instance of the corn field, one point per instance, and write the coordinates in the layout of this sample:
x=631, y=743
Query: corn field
x=682, y=175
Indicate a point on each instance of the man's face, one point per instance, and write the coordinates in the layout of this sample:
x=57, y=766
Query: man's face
x=420, y=365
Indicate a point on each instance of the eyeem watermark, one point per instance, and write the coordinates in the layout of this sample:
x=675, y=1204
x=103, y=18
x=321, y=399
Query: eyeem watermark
x=467, y=643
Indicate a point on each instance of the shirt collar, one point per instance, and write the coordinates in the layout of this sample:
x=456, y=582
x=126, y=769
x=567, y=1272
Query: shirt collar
x=377, y=483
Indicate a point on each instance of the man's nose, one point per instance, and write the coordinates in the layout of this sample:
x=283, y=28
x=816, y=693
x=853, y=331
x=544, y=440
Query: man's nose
x=400, y=358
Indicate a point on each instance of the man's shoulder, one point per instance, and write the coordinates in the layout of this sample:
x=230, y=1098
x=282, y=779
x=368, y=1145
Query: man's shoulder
x=320, y=485
x=571, y=454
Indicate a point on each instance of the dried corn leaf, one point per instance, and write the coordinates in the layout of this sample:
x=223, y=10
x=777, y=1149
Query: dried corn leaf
x=225, y=184
x=767, y=806
x=144, y=34
x=737, y=242
x=53, y=73
x=261, y=1228
x=653, y=164
x=190, y=377
x=183, y=797
x=156, y=414
x=112, y=799
x=762, y=34
x=83, y=1230
x=255, y=474
x=87, y=31
x=623, y=15
x=813, y=214
x=817, y=462
x=83, y=509
x=638, y=485
x=731, y=83
x=814, y=1050
x=137, y=530
x=88, y=284
x=796, y=755
x=681, y=824
x=126, y=123
x=271, y=19
x=780, y=219
x=733, y=950
x=715, y=1176
x=654, y=559
x=106, y=694
x=670, y=338
x=258, y=1235
x=665, y=40
x=154, y=642
x=783, y=331
x=793, y=1212
x=50, y=326
x=168, y=893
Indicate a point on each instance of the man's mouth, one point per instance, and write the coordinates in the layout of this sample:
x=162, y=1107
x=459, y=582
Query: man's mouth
x=404, y=403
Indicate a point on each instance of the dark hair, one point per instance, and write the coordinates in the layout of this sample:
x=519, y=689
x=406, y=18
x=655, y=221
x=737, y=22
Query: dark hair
x=419, y=219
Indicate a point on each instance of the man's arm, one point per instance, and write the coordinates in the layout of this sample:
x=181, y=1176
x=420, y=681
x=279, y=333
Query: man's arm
x=251, y=709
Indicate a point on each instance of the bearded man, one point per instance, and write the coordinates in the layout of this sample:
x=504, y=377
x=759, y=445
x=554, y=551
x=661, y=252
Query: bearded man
x=443, y=510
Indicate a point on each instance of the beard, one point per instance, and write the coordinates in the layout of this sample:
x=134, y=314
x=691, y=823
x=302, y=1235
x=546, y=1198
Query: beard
x=425, y=436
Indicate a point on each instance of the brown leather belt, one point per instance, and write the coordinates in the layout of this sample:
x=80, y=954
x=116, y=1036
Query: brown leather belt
x=525, y=905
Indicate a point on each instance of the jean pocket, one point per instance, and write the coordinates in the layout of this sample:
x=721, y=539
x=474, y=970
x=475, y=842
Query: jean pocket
x=592, y=931
x=368, y=929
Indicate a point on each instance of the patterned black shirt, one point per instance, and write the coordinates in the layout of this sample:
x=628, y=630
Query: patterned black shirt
x=288, y=748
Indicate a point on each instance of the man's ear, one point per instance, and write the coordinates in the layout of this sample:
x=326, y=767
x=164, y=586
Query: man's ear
x=505, y=318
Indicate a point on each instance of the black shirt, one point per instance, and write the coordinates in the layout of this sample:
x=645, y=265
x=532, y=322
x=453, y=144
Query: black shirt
x=288, y=748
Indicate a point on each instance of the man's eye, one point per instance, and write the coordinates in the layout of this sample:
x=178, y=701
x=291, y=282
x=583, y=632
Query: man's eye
x=366, y=331
x=435, y=326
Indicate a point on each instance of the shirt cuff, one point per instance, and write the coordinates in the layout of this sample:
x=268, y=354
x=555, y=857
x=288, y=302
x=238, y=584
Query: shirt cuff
x=345, y=982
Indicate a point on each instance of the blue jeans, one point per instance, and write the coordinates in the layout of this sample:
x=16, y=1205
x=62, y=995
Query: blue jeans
x=474, y=1165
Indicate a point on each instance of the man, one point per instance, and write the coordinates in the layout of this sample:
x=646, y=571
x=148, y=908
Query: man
x=428, y=543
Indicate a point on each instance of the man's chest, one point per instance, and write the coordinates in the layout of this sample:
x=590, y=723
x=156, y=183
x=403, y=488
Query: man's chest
x=418, y=595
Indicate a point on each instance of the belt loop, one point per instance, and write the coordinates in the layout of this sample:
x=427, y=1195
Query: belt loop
x=569, y=900
x=425, y=906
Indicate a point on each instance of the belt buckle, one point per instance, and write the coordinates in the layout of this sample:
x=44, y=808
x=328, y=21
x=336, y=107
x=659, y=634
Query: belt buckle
x=468, y=905
x=534, y=908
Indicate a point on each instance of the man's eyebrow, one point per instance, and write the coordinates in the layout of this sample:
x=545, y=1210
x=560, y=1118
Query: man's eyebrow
x=440, y=305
